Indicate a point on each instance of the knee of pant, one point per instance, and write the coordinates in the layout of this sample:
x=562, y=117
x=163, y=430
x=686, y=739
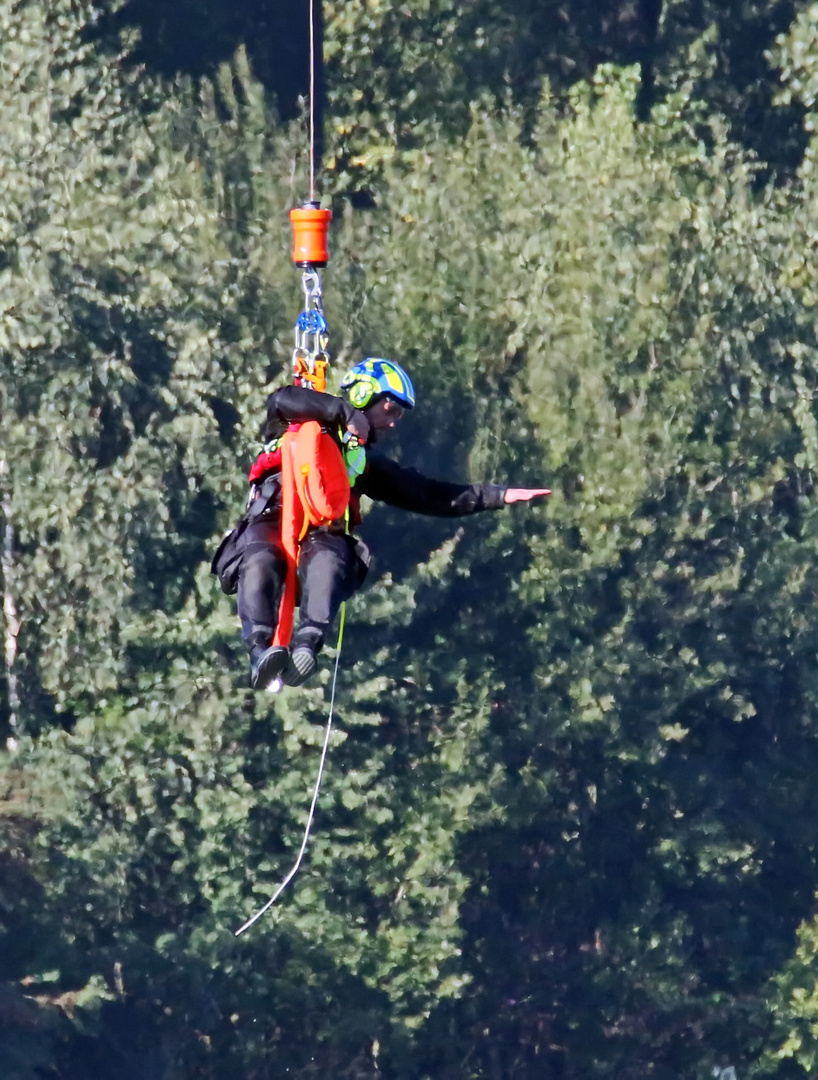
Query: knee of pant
x=261, y=564
x=327, y=566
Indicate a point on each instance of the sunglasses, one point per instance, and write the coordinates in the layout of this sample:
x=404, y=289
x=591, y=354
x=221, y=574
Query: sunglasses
x=392, y=408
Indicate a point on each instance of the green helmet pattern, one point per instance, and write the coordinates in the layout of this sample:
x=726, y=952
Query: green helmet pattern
x=375, y=376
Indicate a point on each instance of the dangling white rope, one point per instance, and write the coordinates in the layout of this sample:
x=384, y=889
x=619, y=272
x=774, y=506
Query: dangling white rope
x=311, y=815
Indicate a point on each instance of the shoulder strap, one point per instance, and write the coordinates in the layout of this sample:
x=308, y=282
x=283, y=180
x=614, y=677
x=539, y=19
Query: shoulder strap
x=267, y=492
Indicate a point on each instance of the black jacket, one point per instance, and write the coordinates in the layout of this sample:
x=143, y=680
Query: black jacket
x=383, y=479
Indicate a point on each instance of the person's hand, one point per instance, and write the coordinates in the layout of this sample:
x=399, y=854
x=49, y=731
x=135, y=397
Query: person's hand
x=514, y=495
x=359, y=426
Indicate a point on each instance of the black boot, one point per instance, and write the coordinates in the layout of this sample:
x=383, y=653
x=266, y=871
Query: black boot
x=306, y=645
x=266, y=664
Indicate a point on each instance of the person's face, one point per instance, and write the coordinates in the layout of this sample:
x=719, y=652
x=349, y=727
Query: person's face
x=384, y=414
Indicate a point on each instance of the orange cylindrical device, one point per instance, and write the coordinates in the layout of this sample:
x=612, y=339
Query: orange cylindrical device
x=310, y=229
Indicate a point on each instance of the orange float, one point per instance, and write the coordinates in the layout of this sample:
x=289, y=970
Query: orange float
x=310, y=230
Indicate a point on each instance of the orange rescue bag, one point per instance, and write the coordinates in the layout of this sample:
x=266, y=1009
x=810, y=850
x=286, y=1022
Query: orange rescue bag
x=320, y=474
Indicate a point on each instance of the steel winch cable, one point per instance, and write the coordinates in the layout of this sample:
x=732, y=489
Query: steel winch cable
x=312, y=100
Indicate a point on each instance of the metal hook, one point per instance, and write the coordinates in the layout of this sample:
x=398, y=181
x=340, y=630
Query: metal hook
x=311, y=335
x=311, y=284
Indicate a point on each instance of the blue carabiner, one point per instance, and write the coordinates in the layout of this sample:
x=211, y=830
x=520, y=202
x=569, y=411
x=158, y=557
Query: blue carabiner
x=311, y=322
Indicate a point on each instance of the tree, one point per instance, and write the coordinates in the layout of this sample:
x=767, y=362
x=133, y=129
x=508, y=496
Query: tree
x=574, y=752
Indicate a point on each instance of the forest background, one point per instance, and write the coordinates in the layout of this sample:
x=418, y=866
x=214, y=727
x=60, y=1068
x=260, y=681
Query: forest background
x=570, y=824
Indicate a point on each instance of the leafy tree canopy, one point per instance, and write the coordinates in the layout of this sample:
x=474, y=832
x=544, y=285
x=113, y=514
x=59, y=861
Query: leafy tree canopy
x=569, y=826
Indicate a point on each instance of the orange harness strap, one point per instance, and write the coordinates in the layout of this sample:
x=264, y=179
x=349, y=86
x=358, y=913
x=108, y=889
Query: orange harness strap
x=292, y=524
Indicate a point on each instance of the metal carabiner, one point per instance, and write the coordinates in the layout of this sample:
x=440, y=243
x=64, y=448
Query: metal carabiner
x=313, y=294
x=310, y=357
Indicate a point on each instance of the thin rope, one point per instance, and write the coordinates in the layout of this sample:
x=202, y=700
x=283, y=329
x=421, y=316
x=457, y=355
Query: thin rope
x=311, y=815
x=312, y=100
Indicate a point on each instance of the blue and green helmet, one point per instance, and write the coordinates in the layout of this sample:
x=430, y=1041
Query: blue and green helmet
x=375, y=377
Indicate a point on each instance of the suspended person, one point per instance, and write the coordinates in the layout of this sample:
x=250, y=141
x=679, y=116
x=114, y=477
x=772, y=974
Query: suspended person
x=333, y=564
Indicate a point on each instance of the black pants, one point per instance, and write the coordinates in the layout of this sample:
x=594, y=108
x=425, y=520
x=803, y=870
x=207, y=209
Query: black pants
x=332, y=567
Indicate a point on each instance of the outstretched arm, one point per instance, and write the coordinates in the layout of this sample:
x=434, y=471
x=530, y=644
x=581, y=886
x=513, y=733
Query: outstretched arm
x=408, y=489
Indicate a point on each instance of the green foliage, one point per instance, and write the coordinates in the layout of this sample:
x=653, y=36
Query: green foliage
x=724, y=50
x=620, y=312
x=793, y=1008
x=568, y=827
x=397, y=73
x=135, y=266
